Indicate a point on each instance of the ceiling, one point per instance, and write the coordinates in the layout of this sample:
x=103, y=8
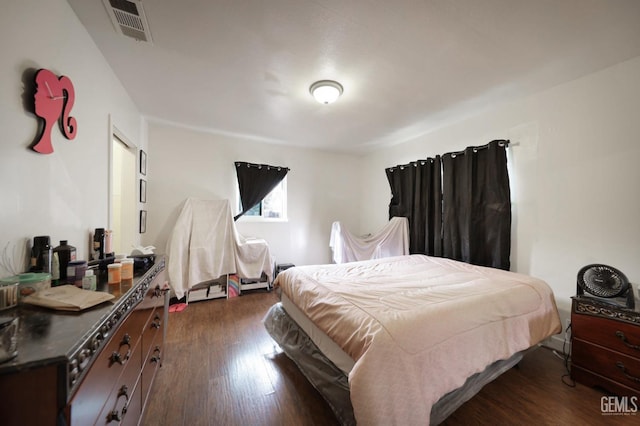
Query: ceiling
x=244, y=67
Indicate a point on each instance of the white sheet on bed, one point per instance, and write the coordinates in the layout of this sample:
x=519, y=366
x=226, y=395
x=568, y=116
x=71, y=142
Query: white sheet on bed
x=418, y=326
x=205, y=244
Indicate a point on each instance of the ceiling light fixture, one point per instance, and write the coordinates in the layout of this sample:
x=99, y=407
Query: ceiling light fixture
x=326, y=91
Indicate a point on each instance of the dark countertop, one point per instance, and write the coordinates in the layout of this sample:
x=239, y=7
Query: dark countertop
x=46, y=336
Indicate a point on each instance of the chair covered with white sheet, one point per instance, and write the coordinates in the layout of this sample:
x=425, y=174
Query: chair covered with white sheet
x=391, y=240
x=205, y=245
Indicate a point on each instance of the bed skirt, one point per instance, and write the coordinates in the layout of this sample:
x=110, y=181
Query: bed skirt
x=333, y=384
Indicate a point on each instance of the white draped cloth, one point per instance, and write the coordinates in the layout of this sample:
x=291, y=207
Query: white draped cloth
x=391, y=240
x=205, y=245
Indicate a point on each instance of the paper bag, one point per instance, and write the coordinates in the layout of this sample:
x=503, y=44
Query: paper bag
x=67, y=298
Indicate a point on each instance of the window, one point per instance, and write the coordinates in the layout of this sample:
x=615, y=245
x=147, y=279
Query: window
x=272, y=207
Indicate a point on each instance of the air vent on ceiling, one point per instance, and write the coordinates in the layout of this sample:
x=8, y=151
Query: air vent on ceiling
x=128, y=18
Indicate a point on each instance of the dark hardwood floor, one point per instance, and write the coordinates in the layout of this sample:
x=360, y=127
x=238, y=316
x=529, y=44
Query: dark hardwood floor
x=220, y=367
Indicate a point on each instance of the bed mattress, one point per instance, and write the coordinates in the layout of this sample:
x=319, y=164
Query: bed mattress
x=417, y=327
x=328, y=347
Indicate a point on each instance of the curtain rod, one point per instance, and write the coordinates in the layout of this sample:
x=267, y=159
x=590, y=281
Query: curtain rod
x=413, y=163
x=240, y=163
x=501, y=142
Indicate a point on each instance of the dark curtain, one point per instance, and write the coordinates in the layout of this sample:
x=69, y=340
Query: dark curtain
x=417, y=195
x=256, y=181
x=477, y=206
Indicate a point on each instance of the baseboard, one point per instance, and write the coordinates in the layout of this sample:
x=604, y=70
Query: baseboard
x=557, y=343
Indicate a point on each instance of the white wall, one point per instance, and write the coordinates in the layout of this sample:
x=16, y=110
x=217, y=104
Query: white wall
x=574, y=175
x=63, y=194
x=322, y=187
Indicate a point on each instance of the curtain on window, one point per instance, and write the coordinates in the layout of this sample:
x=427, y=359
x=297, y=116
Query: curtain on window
x=256, y=181
x=417, y=195
x=477, y=206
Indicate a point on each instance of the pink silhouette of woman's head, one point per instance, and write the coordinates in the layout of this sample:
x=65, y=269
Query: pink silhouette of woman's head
x=54, y=96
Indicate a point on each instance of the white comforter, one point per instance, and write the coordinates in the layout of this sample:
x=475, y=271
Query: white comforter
x=418, y=326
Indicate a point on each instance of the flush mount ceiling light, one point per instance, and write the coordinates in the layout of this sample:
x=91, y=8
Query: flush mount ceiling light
x=326, y=91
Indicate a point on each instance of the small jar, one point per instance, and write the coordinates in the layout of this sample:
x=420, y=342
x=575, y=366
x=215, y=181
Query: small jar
x=114, y=271
x=89, y=280
x=127, y=269
x=80, y=271
x=75, y=272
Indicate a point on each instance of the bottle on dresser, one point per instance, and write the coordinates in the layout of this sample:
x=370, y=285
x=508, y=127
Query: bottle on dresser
x=66, y=253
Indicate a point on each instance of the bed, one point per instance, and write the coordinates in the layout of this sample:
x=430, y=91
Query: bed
x=407, y=339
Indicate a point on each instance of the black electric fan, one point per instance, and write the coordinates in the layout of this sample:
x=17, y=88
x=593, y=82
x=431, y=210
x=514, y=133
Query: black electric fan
x=607, y=284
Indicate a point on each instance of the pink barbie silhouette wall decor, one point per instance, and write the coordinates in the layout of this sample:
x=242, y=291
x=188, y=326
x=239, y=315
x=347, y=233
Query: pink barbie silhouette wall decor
x=54, y=99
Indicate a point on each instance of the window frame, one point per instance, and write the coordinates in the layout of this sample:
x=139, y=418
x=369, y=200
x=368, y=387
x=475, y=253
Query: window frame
x=254, y=218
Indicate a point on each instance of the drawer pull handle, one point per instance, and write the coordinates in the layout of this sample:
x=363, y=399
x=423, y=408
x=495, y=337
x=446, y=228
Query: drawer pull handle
x=115, y=415
x=621, y=366
x=156, y=358
x=620, y=335
x=156, y=322
x=157, y=292
x=115, y=357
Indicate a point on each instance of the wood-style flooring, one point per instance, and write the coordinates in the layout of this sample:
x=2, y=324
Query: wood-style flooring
x=220, y=367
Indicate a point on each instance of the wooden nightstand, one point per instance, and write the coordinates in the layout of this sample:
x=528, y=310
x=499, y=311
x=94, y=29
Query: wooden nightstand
x=605, y=346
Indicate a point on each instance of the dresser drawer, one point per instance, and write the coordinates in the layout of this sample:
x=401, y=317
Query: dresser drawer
x=155, y=294
x=132, y=416
x=152, y=329
x=591, y=379
x=613, y=365
x=149, y=371
x=123, y=401
x=121, y=351
x=150, y=321
x=617, y=335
